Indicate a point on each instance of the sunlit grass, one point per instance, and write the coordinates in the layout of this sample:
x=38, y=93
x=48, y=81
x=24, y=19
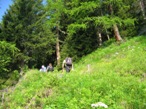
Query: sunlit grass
x=113, y=75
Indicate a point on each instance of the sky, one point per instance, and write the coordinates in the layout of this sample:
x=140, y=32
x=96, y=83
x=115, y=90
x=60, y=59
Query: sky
x=4, y=5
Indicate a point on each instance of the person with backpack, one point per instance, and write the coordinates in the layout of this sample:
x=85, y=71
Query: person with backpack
x=67, y=64
x=50, y=68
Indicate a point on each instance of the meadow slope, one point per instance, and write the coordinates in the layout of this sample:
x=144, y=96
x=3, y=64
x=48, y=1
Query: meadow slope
x=114, y=74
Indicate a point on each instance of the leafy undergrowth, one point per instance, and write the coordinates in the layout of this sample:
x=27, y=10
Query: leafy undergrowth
x=114, y=75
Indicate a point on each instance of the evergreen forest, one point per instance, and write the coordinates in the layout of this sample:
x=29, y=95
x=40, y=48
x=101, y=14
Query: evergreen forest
x=106, y=40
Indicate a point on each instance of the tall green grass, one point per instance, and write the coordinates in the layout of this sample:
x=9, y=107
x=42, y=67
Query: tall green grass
x=114, y=75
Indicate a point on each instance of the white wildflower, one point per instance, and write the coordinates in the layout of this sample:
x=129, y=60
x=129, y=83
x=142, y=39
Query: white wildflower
x=99, y=104
x=116, y=53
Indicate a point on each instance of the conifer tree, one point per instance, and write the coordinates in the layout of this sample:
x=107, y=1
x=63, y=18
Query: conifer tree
x=24, y=25
x=55, y=10
x=100, y=18
x=104, y=13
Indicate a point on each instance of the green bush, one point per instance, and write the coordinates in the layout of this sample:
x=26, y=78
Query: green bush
x=7, y=52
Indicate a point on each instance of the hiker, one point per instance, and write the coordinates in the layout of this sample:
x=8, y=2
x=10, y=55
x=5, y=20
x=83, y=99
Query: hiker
x=43, y=69
x=67, y=64
x=50, y=68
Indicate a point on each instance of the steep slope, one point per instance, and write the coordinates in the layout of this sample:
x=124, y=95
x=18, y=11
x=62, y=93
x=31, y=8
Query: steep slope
x=114, y=75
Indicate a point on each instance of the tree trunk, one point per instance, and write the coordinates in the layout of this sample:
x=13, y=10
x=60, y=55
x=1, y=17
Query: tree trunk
x=99, y=38
x=58, y=48
x=107, y=34
x=141, y=3
x=116, y=32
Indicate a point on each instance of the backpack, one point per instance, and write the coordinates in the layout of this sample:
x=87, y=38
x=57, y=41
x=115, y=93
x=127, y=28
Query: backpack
x=68, y=61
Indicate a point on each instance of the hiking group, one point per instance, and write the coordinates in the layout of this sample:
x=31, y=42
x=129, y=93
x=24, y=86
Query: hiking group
x=67, y=65
x=49, y=68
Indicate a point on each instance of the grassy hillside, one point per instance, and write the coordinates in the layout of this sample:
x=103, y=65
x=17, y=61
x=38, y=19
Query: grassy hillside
x=114, y=75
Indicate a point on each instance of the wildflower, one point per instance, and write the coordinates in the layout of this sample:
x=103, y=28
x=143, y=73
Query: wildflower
x=116, y=53
x=99, y=104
